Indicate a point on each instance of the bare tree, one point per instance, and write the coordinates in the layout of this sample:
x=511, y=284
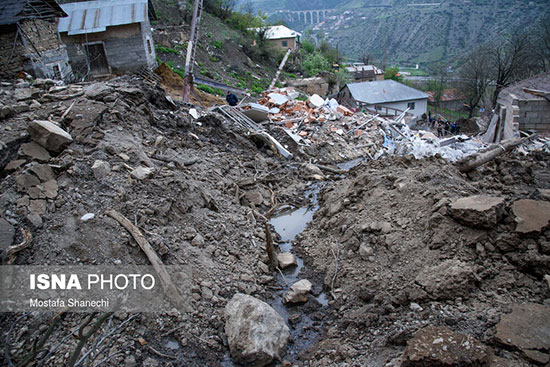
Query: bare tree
x=541, y=44
x=510, y=61
x=476, y=77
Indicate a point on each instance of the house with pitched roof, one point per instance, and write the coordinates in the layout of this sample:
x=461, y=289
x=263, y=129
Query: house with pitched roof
x=108, y=36
x=29, y=41
x=386, y=97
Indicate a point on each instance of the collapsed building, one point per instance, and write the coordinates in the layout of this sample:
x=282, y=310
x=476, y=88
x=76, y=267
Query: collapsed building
x=29, y=41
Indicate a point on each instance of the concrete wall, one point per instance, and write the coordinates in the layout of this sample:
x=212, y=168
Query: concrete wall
x=291, y=43
x=420, y=106
x=534, y=115
x=126, y=48
x=315, y=85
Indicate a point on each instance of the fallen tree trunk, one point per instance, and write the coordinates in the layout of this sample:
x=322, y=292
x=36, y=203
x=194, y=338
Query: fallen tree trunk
x=169, y=287
x=475, y=160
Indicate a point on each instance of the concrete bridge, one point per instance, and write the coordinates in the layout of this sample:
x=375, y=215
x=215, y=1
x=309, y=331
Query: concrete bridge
x=305, y=16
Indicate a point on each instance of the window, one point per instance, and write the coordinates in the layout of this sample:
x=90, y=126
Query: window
x=149, y=46
x=285, y=44
x=410, y=105
x=56, y=72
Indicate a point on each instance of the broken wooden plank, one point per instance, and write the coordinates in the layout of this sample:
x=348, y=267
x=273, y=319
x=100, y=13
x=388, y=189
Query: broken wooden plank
x=169, y=287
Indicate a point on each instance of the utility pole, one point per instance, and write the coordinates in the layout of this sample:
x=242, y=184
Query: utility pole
x=191, y=50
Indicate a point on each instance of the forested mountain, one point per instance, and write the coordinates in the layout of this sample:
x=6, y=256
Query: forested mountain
x=411, y=31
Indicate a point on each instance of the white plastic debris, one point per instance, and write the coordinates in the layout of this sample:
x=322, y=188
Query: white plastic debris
x=315, y=101
x=278, y=99
x=193, y=112
x=88, y=216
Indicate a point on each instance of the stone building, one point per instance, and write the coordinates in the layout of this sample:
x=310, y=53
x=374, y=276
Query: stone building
x=365, y=73
x=29, y=40
x=283, y=37
x=108, y=36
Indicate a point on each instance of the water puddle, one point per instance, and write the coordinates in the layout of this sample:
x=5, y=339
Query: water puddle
x=289, y=222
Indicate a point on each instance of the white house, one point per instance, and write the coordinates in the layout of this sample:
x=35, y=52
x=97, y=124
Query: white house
x=388, y=97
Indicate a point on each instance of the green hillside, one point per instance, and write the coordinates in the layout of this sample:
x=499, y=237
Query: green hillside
x=409, y=32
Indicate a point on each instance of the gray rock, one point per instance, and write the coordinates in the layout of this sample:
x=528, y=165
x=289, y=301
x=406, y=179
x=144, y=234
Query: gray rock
x=23, y=94
x=97, y=91
x=7, y=233
x=448, y=280
x=286, y=259
x=256, y=333
x=37, y=207
x=43, y=171
x=141, y=173
x=21, y=107
x=35, y=219
x=198, y=241
x=531, y=216
x=43, y=83
x=26, y=181
x=313, y=169
x=49, y=135
x=34, y=151
x=101, y=169
x=440, y=346
x=366, y=251
x=478, y=211
x=15, y=165
x=527, y=329
x=49, y=188
x=6, y=111
x=298, y=292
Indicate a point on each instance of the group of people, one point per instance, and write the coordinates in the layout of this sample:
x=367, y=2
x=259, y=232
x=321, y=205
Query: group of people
x=442, y=127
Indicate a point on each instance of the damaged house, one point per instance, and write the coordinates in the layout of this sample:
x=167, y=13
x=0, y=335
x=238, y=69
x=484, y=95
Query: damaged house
x=523, y=106
x=29, y=41
x=108, y=36
x=365, y=73
x=385, y=97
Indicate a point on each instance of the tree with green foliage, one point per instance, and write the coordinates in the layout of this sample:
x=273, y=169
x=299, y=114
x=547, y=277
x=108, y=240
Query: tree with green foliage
x=315, y=63
x=393, y=74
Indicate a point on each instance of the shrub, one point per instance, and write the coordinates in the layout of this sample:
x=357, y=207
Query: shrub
x=166, y=50
x=217, y=44
x=210, y=90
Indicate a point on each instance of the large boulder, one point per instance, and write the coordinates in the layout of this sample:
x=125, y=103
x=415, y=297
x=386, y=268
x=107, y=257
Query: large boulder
x=478, y=211
x=441, y=347
x=256, y=333
x=531, y=216
x=49, y=135
x=527, y=329
x=98, y=91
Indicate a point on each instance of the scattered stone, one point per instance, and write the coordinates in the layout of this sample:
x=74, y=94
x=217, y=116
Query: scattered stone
x=23, y=94
x=198, y=241
x=532, y=216
x=544, y=194
x=35, y=220
x=313, y=169
x=26, y=181
x=477, y=211
x=43, y=171
x=441, y=347
x=34, y=151
x=50, y=189
x=43, y=83
x=21, y=107
x=101, y=169
x=86, y=217
x=286, y=259
x=49, y=135
x=14, y=165
x=37, y=207
x=448, y=280
x=6, y=111
x=141, y=173
x=527, y=328
x=298, y=292
x=7, y=233
x=415, y=307
x=97, y=91
x=256, y=333
x=366, y=251
x=35, y=105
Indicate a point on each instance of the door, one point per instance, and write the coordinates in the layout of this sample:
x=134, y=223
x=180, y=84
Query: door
x=97, y=59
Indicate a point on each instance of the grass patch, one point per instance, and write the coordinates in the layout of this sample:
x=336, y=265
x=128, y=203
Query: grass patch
x=166, y=50
x=217, y=44
x=214, y=59
x=210, y=90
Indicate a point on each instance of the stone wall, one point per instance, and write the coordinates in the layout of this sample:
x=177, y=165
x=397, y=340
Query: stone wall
x=10, y=67
x=534, y=114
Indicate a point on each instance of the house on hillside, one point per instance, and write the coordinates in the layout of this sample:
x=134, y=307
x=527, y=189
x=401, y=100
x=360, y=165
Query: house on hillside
x=365, y=73
x=283, y=37
x=29, y=41
x=108, y=36
x=522, y=106
x=386, y=97
x=450, y=99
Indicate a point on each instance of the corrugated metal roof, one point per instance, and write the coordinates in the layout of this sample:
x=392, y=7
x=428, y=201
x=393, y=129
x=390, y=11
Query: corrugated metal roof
x=11, y=11
x=384, y=91
x=280, y=31
x=96, y=16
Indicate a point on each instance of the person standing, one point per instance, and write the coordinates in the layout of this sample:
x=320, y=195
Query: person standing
x=231, y=99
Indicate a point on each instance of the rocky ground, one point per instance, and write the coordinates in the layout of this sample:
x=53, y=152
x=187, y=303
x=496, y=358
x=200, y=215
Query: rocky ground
x=404, y=264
